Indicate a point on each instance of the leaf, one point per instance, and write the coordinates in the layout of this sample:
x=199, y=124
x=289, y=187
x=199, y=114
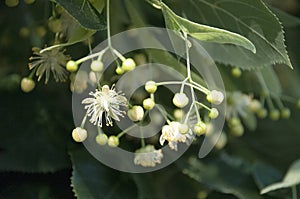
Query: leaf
x=35, y=139
x=271, y=81
x=292, y=178
x=203, y=32
x=221, y=176
x=84, y=13
x=250, y=18
x=91, y=179
x=287, y=20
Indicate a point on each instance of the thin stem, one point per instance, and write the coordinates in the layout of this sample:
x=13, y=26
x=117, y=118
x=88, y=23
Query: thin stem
x=83, y=121
x=79, y=61
x=203, y=105
x=108, y=24
x=294, y=192
x=118, y=54
x=188, y=65
x=126, y=130
x=203, y=90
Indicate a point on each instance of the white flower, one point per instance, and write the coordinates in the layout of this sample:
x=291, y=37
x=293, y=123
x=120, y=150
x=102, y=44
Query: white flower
x=108, y=102
x=172, y=134
x=148, y=156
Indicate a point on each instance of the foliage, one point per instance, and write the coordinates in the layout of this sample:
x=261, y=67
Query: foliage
x=257, y=157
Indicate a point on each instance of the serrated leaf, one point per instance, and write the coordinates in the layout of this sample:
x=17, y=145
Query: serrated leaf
x=292, y=178
x=91, y=179
x=287, y=20
x=222, y=177
x=250, y=18
x=204, y=32
x=84, y=13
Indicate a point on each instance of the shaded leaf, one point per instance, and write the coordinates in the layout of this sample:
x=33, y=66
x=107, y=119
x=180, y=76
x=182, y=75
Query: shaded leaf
x=84, y=13
x=223, y=177
x=204, y=32
x=292, y=178
x=250, y=18
x=91, y=179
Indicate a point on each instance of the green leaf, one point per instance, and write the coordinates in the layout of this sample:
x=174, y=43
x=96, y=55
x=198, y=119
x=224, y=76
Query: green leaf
x=292, y=178
x=204, y=32
x=37, y=141
x=269, y=81
x=223, y=177
x=287, y=20
x=250, y=18
x=91, y=179
x=85, y=13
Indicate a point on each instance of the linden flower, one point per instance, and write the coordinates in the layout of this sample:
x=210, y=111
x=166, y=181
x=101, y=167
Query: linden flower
x=148, y=156
x=49, y=61
x=105, y=101
x=172, y=134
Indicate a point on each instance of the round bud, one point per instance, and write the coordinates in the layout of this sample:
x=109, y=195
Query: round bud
x=101, y=139
x=71, y=66
x=27, y=84
x=215, y=97
x=262, y=113
x=236, y=72
x=128, y=64
x=274, y=114
x=180, y=100
x=234, y=121
x=136, y=113
x=183, y=128
x=255, y=105
x=214, y=113
x=113, y=141
x=237, y=130
x=285, y=113
x=24, y=32
x=148, y=104
x=178, y=114
x=150, y=87
x=79, y=134
x=200, y=128
x=11, y=3
x=97, y=65
x=54, y=25
x=119, y=70
x=41, y=31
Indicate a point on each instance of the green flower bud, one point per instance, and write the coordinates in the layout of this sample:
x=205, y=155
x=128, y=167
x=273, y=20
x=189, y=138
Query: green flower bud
x=148, y=104
x=136, y=113
x=237, y=130
x=113, y=141
x=79, y=134
x=285, y=113
x=200, y=128
x=27, y=84
x=72, y=66
x=101, y=139
x=97, y=65
x=150, y=87
x=262, y=113
x=214, y=113
x=236, y=72
x=119, y=70
x=128, y=64
x=180, y=100
x=178, y=114
x=274, y=114
x=255, y=105
x=215, y=97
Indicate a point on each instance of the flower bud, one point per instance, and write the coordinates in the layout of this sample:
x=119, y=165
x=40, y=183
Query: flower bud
x=79, y=134
x=298, y=104
x=136, y=113
x=274, y=114
x=148, y=104
x=101, y=139
x=180, y=100
x=285, y=113
x=255, y=105
x=178, y=114
x=72, y=66
x=215, y=97
x=128, y=64
x=214, y=113
x=200, y=128
x=222, y=141
x=237, y=130
x=183, y=128
x=113, y=141
x=119, y=70
x=262, y=113
x=27, y=84
x=97, y=65
x=150, y=87
x=236, y=72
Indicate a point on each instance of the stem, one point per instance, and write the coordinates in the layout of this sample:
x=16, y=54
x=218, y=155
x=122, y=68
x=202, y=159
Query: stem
x=294, y=192
x=108, y=24
x=188, y=65
x=202, y=89
x=126, y=130
x=79, y=61
x=83, y=121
